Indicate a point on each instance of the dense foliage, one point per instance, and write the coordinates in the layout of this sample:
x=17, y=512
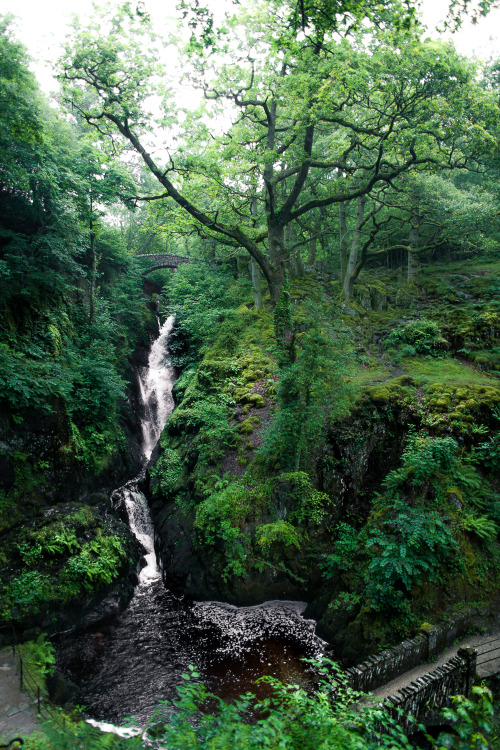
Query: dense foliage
x=337, y=336
x=335, y=718
x=69, y=320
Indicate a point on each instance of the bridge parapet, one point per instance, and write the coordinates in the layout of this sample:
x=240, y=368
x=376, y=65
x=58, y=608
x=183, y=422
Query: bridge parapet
x=424, y=698
x=164, y=260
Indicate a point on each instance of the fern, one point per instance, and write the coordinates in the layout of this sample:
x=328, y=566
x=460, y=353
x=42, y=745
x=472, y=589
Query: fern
x=482, y=526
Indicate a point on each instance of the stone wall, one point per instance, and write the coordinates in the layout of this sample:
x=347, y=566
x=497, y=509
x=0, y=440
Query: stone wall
x=386, y=666
x=426, y=696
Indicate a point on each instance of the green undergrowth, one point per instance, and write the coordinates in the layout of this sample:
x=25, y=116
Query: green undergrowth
x=432, y=528
x=237, y=451
x=64, y=557
x=427, y=540
x=39, y=660
x=62, y=378
x=334, y=717
x=241, y=526
x=267, y=449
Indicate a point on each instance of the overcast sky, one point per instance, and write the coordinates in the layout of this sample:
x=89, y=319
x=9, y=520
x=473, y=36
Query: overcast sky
x=41, y=26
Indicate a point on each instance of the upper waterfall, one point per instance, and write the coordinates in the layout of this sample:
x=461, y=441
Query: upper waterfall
x=155, y=384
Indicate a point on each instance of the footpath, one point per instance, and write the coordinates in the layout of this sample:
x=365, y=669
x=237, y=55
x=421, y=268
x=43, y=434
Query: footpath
x=18, y=715
x=488, y=662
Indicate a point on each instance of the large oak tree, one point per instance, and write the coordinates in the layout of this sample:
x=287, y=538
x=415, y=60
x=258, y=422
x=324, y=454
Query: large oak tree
x=302, y=110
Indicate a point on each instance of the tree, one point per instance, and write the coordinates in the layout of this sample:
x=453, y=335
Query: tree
x=421, y=214
x=20, y=123
x=315, y=120
x=100, y=183
x=315, y=388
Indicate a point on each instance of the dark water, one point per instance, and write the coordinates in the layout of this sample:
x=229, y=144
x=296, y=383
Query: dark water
x=125, y=668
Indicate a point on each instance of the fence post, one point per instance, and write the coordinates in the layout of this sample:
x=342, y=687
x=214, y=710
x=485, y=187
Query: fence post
x=469, y=655
x=431, y=633
x=20, y=671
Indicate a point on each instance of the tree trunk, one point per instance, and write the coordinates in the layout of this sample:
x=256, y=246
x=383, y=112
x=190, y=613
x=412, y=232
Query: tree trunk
x=288, y=240
x=311, y=256
x=351, y=274
x=343, y=241
x=93, y=277
x=298, y=263
x=413, y=245
x=93, y=266
x=278, y=260
x=257, y=292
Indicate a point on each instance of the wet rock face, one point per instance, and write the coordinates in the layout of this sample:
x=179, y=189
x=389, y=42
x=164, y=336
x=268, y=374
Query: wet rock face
x=358, y=455
x=344, y=633
x=187, y=570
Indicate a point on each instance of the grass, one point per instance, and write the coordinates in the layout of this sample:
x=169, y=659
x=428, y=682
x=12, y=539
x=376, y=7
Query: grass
x=445, y=370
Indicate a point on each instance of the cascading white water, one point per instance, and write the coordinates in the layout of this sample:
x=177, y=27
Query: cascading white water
x=155, y=388
x=141, y=526
x=139, y=658
x=155, y=384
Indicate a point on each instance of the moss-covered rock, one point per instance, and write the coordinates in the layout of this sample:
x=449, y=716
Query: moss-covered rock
x=246, y=427
x=55, y=570
x=449, y=405
x=256, y=400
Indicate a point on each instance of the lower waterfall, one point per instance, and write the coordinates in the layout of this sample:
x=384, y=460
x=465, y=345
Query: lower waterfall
x=125, y=667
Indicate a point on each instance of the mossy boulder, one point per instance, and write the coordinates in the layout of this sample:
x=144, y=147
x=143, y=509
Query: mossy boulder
x=392, y=390
x=240, y=394
x=256, y=400
x=448, y=403
x=251, y=375
x=246, y=427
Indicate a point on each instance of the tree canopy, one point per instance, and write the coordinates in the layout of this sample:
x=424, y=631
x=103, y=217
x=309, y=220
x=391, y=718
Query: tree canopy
x=310, y=120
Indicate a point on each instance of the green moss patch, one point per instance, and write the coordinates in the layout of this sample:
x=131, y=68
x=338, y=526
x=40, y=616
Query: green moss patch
x=246, y=427
x=62, y=558
x=444, y=370
x=464, y=404
x=393, y=389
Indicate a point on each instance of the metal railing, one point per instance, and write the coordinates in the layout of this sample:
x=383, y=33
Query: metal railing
x=29, y=685
x=489, y=651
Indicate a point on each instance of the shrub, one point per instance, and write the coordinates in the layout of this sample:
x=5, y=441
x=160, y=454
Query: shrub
x=313, y=390
x=345, y=550
x=168, y=469
x=411, y=544
x=280, y=533
x=219, y=523
x=417, y=337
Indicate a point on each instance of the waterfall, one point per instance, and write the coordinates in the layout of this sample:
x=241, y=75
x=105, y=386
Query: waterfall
x=155, y=389
x=125, y=666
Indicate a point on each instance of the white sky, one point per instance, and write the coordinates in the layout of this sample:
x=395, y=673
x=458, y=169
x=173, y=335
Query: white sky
x=42, y=25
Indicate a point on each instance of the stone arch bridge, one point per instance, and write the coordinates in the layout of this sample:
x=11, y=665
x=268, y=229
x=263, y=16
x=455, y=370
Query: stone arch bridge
x=163, y=260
